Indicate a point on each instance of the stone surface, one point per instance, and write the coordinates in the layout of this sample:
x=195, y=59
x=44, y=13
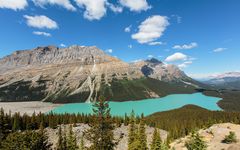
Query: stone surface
x=120, y=134
x=213, y=137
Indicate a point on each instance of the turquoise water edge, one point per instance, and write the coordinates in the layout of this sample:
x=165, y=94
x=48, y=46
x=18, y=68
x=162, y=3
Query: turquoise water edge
x=146, y=106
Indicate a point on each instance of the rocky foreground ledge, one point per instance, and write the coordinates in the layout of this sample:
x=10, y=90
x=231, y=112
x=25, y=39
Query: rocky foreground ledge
x=120, y=133
x=213, y=137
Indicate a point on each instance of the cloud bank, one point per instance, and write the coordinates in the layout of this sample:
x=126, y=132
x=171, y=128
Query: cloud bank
x=63, y=3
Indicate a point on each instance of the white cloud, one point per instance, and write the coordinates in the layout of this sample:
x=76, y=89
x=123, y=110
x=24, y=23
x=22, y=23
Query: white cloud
x=188, y=62
x=182, y=66
x=137, y=60
x=63, y=3
x=150, y=56
x=151, y=29
x=135, y=5
x=42, y=33
x=186, y=46
x=95, y=9
x=130, y=46
x=176, y=57
x=185, y=64
x=156, y=43
x=13, y=4
x=128, y=28
x=204, y=76
x=41, y=22
x=116, y=9
x=63, y=45
x=219, y=49
x=109, y=50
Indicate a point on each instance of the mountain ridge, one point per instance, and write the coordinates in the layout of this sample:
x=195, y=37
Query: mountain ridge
x=80, y=73
x=228, y=80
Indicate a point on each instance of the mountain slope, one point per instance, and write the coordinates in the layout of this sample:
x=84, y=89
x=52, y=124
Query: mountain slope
x=80, y=74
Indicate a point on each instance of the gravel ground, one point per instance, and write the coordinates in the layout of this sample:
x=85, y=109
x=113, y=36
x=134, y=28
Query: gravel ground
x=28, y=107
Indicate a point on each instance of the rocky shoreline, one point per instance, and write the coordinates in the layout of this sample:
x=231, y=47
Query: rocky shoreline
x=28, y=107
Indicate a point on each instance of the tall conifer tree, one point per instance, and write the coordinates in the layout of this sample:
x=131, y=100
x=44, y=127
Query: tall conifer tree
x=71, y=139
x=101, y=132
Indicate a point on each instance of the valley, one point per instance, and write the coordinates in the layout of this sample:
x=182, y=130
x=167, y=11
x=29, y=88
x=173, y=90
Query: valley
x=79, y=74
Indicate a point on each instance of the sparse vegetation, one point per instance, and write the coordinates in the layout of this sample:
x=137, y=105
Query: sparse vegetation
x=231, y=138
x=196, y=142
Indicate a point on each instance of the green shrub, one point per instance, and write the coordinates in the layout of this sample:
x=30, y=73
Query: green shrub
x=231, y=138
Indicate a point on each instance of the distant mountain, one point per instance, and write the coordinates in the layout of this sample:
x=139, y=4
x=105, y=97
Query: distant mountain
x=81, y=74
x=230, y=80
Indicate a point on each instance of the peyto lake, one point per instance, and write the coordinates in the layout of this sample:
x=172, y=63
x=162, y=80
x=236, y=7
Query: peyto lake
x=147, y=106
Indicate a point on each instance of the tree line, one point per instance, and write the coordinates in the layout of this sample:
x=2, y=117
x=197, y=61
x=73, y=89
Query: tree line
x=183, y=121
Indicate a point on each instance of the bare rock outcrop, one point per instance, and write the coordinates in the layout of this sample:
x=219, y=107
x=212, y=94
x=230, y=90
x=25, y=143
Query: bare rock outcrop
x=213, y=137
x=120, y=134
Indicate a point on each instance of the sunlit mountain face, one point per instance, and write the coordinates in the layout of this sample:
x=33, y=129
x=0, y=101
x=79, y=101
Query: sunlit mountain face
x=81, y=74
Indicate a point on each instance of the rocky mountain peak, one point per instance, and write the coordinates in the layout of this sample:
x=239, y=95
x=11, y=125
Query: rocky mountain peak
x=153, y=60
x=55, y=55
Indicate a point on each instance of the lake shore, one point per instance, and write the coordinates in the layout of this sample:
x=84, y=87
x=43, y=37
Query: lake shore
x=28, y=107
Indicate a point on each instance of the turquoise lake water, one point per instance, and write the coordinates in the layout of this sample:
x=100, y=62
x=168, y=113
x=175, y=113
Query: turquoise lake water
x=147, y=106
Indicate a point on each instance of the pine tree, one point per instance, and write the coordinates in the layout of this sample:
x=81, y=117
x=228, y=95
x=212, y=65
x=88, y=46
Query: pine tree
x=71, y=139
x=101, y=132
x=64, y=139
x=3, y=126
x=2, y=130
x=142, y=137
x=140, y=140
x=43, y=143
x=164, y=146
x=16, y=122
x=60, y=144
x=154, y=138
x=132, y=131
x=156, y=141
x=196, y=142
x=81, y=147
x=28, y=140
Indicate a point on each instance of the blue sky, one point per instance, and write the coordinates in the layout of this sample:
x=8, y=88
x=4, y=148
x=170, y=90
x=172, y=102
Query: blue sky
x=202, y=37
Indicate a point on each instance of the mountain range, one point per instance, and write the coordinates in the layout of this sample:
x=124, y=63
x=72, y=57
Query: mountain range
x=229, y=80
x=81, y=74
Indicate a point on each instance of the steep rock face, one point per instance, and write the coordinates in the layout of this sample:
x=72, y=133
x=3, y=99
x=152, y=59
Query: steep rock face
x=50, y=73
x=74, y=74
x=155, y=69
